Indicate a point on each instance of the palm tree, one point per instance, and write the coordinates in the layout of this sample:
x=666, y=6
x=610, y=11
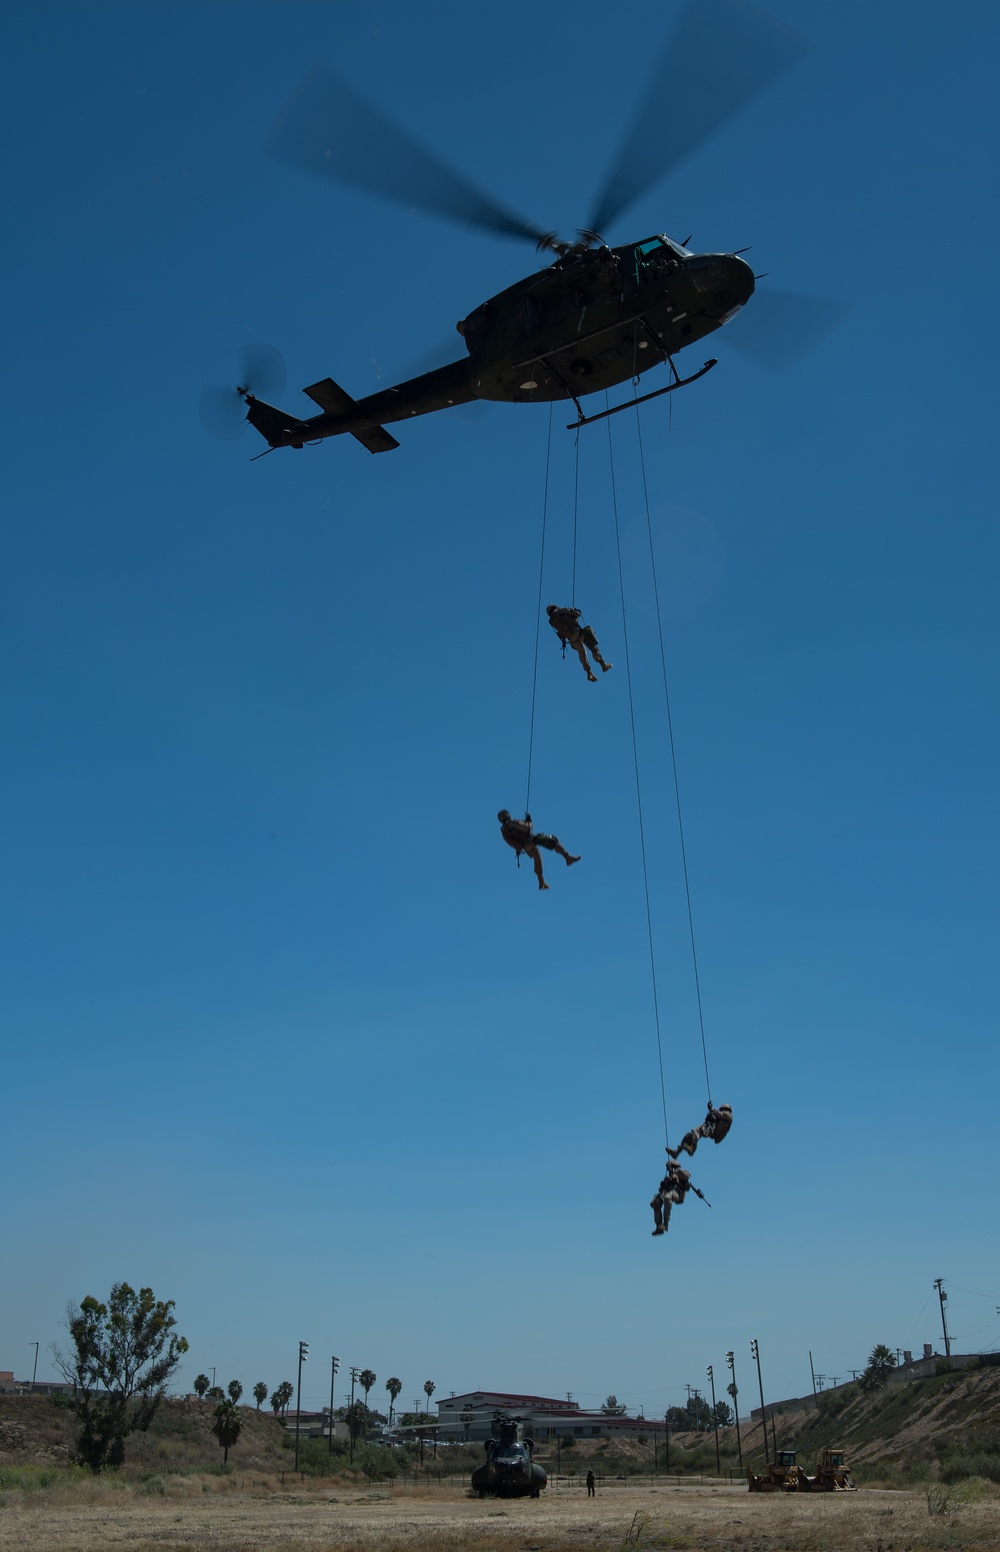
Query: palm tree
x=235, y=1390
x=201, y=1384
x=429, y=1389
x=260, y=1393
x=281, y=1397
x=393, y=1386
x=226, y=1425
x=366, y=1380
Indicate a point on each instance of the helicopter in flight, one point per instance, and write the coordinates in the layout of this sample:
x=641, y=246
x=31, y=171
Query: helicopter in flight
x=508, y=1470
x=596, y=316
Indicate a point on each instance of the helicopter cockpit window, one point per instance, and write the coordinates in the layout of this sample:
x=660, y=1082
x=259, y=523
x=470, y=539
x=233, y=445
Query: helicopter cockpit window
x=657, y=252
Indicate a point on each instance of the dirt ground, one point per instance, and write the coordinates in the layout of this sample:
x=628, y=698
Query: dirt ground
x=242, y=1515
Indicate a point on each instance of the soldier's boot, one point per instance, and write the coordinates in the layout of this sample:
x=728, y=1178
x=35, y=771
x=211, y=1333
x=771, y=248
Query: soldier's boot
x=599, y=659
x=564, y=853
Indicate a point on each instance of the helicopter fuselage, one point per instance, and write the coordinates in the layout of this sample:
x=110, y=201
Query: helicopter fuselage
x=595, y=318
x=508, y=1470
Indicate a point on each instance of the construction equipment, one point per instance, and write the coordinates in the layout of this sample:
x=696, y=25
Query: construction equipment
x=782, y=1475
x=785, y=1475
x=832, y=1474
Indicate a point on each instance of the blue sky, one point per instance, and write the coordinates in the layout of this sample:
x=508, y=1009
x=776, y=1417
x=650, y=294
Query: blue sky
x=287, y=1034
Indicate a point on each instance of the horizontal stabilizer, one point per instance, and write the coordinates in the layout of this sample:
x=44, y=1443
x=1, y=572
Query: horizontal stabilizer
x=332, y=398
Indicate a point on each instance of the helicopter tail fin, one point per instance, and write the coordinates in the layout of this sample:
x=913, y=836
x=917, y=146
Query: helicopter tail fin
x=336, y=401
x=274, y=425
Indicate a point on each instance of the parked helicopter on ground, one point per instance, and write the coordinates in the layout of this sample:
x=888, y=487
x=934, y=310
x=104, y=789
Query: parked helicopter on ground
x=508, y=1469
x=597, y=316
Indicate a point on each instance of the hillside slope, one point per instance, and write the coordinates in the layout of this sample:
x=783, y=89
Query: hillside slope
x=947, y=1425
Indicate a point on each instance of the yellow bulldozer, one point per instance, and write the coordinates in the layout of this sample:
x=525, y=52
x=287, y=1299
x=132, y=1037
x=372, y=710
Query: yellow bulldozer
x=785, y=1475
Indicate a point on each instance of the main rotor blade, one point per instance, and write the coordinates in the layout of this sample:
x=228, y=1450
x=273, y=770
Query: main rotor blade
x=328, y=130
x=722, y=56
x=778, y=328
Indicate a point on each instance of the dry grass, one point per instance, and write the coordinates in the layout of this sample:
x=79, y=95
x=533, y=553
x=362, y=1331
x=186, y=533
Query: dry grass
x=244, y=1513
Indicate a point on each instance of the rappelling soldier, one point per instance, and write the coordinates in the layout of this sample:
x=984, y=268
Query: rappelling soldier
x=715, y=1125
x=519, y=834
x=673, y=1188
x=566, y=624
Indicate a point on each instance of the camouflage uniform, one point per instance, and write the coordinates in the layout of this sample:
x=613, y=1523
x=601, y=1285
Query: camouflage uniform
x=673, y=1188
x=519, y=834
x=715, y=1125
x=566, y=624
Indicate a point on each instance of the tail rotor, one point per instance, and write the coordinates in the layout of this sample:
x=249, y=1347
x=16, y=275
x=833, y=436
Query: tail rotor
x=261, y=375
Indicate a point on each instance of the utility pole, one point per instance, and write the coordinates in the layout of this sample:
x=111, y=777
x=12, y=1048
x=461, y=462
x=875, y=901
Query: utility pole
x=35, y=1369
x=715, y=1421
x=303, y=1356
x=666, y=1441
x=735, y=1393
x=812, y=1371
x=334, y=1366
x=755, y=1353
x=943, y=1297
x=355, y=1371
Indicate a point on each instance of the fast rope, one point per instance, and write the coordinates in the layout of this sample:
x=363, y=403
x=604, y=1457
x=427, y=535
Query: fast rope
x=576, y=510
x=673, y=761
x=538, y=613
x=638, y=784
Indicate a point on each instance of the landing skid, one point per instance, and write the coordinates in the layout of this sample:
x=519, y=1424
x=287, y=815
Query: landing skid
x=682, y=382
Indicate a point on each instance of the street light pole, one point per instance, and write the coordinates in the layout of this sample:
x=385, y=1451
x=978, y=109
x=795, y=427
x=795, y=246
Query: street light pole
x=303, y=1357
x=715, y=1420
x=334, y=1366
x=755, y=1353
x=731, y=1366
x=35, y=1369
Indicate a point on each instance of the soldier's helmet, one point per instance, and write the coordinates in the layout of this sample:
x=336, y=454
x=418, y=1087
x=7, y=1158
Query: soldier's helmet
x=550, y=608
x=503, y=815
x=727, y=1108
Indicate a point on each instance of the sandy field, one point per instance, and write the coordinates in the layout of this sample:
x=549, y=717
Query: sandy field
x=257, y=1514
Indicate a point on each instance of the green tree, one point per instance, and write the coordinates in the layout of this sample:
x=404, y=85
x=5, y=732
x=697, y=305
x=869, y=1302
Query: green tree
x=217, y=1393
x=235, y=1390
x=201, y=1384
x=285, y=1392
x=226, y=1425
x=366, y=1380
x=276, y=1402
x=260, y=1393
x=393, y=1386
x=122, y=1355
x=881, y=1363
x=723, y=1414
x=355, y=1416
x=429, y=1389
x=613, y=1407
